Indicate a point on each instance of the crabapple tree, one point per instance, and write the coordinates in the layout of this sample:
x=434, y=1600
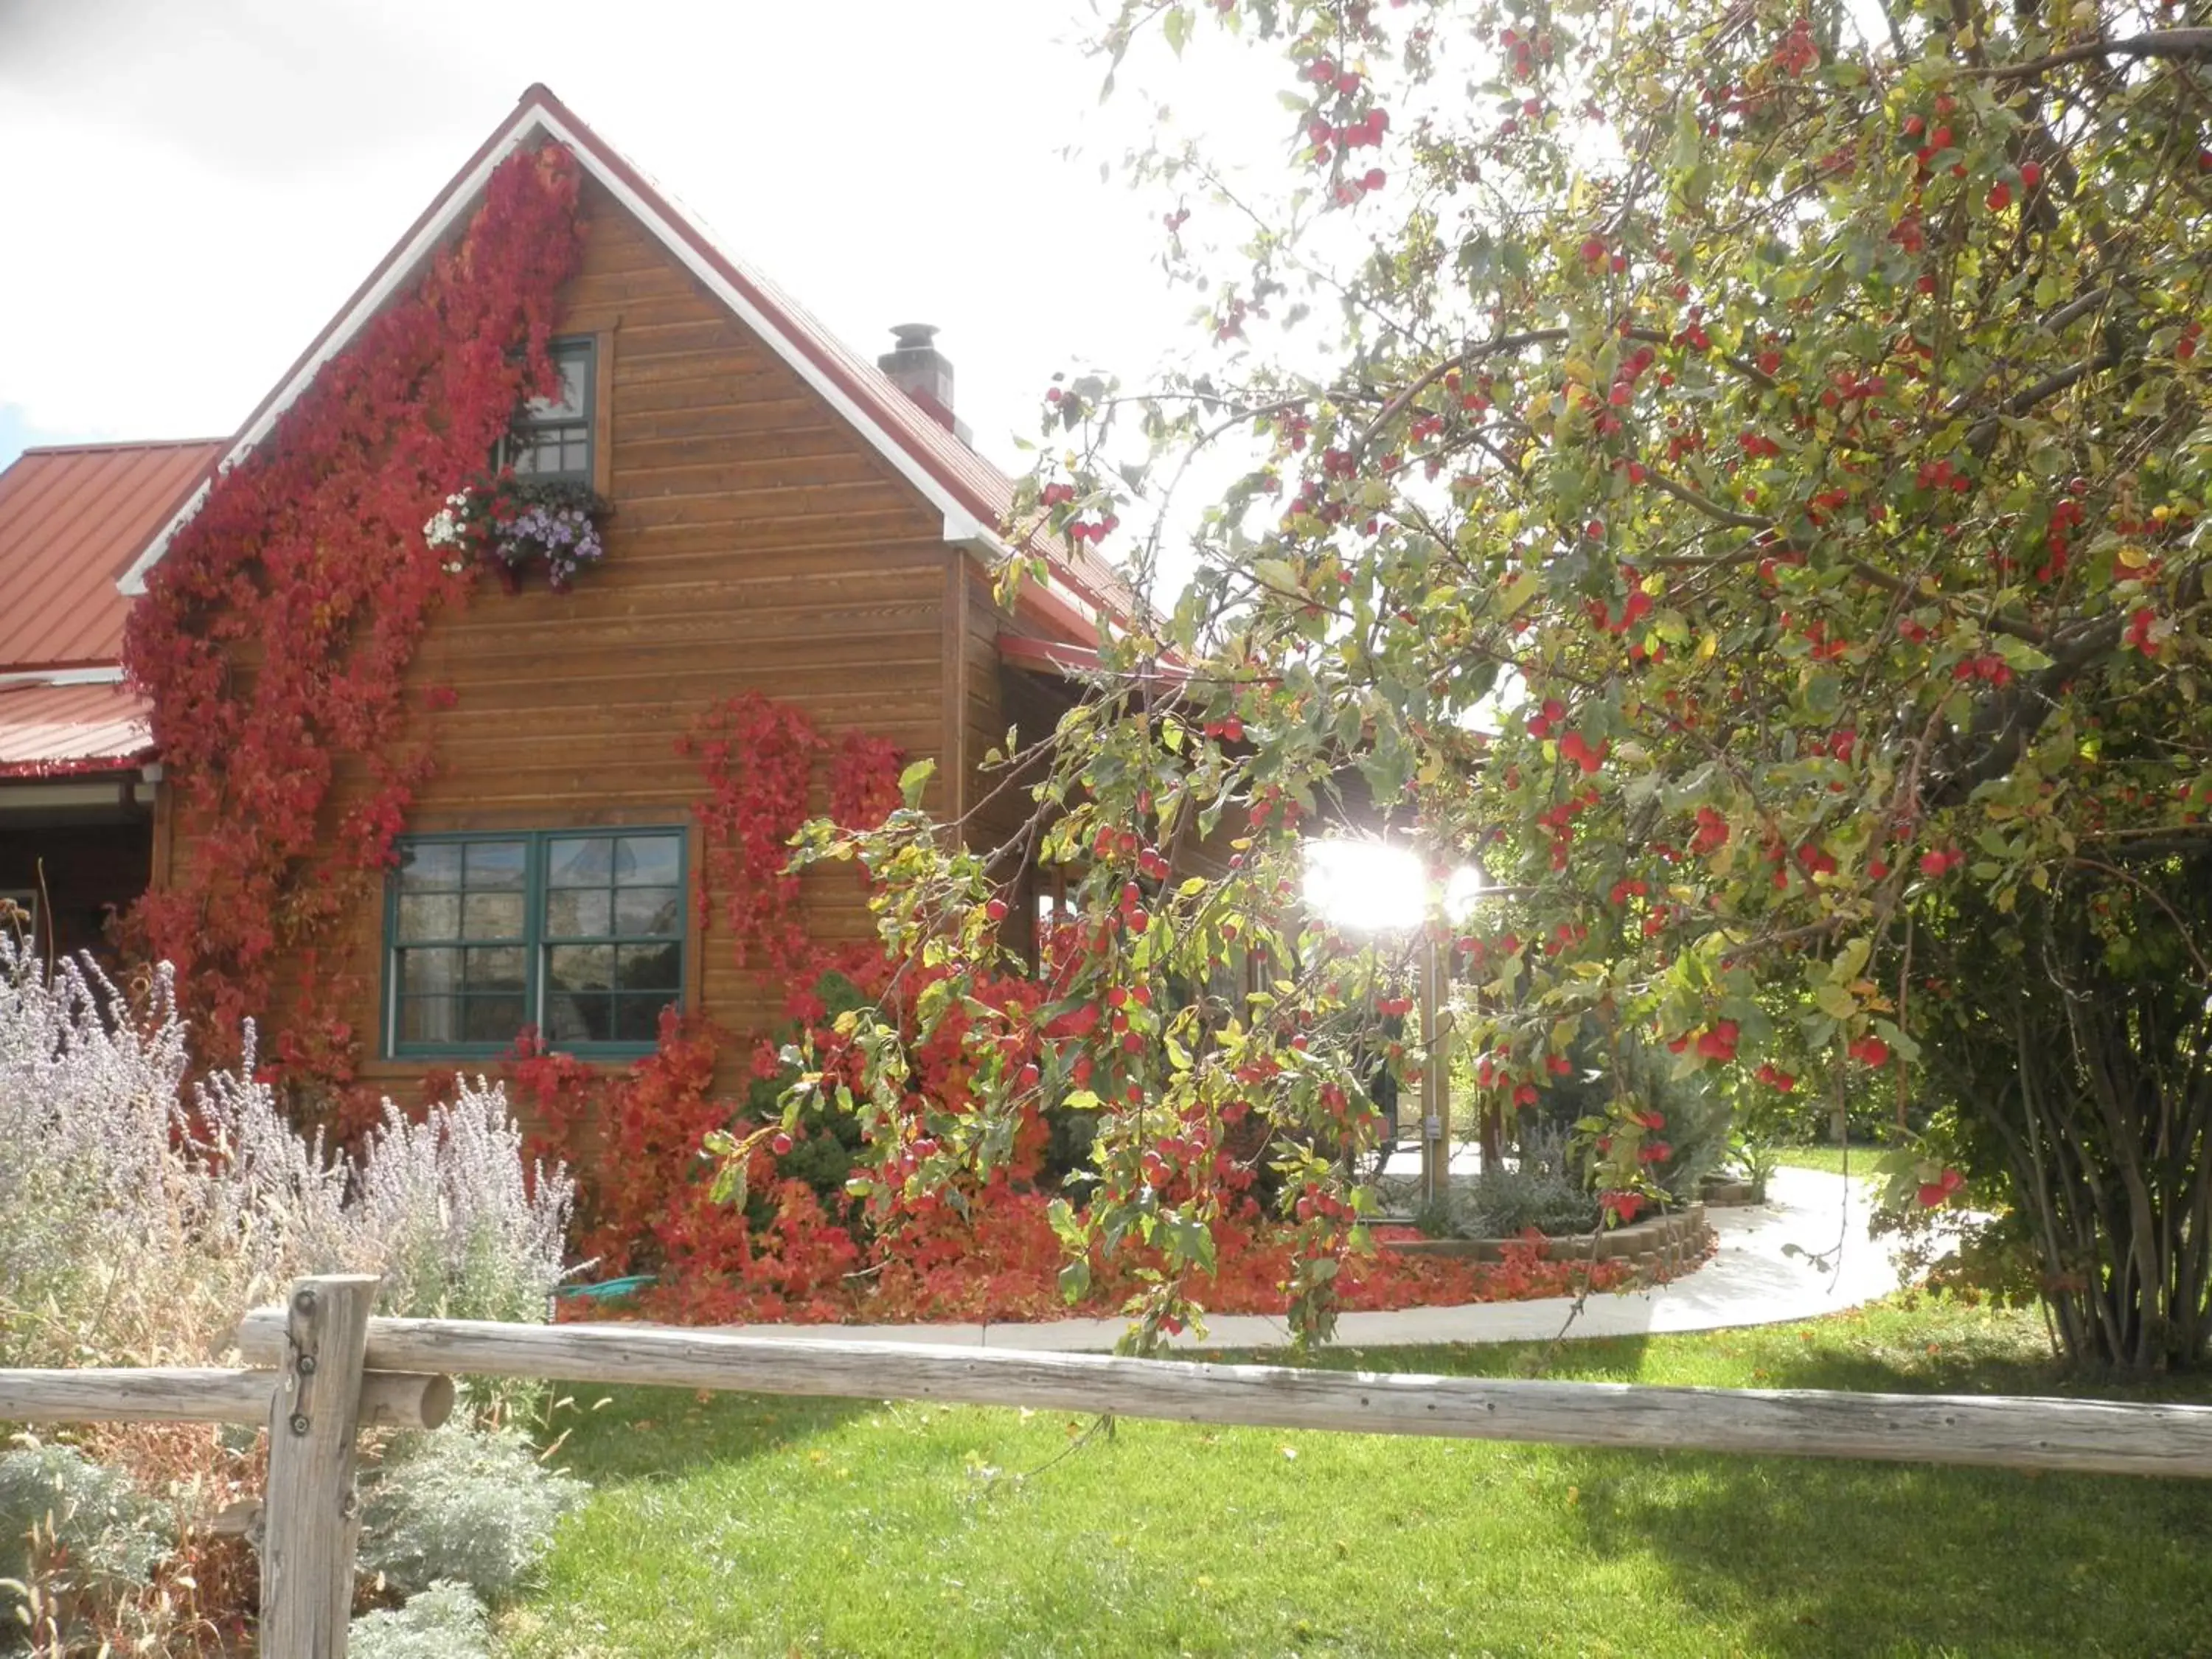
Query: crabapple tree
x=1736, y=474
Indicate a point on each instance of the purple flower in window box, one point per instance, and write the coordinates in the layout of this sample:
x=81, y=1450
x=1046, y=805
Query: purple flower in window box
x=513, y=522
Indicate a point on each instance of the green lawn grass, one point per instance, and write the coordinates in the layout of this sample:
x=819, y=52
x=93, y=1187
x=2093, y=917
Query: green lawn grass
x=1829, y=1158
x=740, y=1525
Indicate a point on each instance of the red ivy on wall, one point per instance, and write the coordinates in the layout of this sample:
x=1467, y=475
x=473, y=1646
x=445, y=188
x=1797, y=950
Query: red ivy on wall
x=279, y=627
x=757, y=756
x=864, y=781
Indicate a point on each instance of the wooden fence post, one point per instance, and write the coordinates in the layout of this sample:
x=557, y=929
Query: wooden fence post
x=311, y=1518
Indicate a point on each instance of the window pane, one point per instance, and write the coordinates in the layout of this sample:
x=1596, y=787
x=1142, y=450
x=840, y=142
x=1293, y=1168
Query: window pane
x=490, y=1019
x=579, y=913
x=573, y=366
x=492, y=915
x=553, y=449
x=429, y=1019
x=579, y=1019
x=429, y=864
x=582, y=862
x=579, y=967
x=493, y=864
x=497, y=968
x=637, y=1019
x=430, y=973
x=649, y=968
x=649, y=911
x=430, y=915
x=646, y=861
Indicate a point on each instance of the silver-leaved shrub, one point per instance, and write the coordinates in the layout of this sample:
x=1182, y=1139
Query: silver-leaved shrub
x=140, y=1215
x=445, y=1621
x=477, y=1506
x=57, y=1501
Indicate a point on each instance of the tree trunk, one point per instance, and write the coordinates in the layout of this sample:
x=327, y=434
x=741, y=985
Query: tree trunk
x=2082, y=1063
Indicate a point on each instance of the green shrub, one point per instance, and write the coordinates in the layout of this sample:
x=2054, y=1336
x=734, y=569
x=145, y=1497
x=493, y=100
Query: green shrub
x=1698, y=1110
x=1756, y=1161
x=1502, y=1203
x=444, y=1621
x=827, y=1141
x=474, y=1506
x=1435, y=1218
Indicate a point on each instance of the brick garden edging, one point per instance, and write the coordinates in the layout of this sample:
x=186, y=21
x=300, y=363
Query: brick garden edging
x=1728, y=1194
x=1673, y=1231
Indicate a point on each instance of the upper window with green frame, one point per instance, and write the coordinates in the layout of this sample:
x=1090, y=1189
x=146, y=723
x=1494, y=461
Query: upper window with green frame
x=578, y=933
x=551, y=438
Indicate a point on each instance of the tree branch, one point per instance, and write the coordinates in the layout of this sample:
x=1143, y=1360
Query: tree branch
x=2184, y=44
x=1711, y=509
x=1984, y=433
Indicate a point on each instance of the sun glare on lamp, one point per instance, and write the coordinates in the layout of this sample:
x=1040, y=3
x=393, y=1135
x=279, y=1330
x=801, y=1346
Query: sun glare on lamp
x=1368, y=886
x=1463, y=891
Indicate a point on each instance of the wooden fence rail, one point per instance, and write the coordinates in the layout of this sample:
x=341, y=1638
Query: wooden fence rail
x=166, y=1395
x=335, y=1369
x=2088, y=1436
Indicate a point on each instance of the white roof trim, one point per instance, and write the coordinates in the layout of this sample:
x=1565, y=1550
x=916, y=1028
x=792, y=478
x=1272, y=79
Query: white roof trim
x=965, y=530
x=110, y=675
x=535, y=118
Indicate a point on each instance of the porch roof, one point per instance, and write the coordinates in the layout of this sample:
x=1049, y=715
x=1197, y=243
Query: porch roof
x=71, y=516
x=48, y=730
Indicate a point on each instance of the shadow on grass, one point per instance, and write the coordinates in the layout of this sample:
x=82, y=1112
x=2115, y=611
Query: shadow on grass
x=1816, y=1557
x=1813, y=1556
x=630, y=1435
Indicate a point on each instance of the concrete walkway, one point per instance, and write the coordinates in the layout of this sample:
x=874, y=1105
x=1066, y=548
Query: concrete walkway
x=1753, y=1278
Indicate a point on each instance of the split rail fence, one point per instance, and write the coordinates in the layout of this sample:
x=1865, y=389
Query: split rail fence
x=329, y=1370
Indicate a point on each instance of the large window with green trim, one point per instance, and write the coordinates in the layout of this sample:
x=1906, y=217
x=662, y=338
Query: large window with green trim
x=578, y=933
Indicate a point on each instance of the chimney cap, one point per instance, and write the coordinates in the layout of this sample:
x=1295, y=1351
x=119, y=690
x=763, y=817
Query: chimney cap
x=913, y=337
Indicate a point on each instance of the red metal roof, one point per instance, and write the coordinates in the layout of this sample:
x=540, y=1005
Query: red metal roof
x=70, y=519
x=46, y=730
x=957, y=470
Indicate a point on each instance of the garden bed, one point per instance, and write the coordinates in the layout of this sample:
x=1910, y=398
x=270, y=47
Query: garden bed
x=1005, y=1267
x=1683, y=1229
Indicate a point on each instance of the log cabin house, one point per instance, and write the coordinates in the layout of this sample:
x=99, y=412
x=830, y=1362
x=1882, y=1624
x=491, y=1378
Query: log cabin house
x=787, y=517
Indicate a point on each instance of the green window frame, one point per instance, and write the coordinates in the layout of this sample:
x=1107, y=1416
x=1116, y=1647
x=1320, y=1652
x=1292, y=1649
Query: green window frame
x=583, y=933
x=553, y=437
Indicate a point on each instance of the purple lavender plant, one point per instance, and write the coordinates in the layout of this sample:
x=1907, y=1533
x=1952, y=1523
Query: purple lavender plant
x=136, y=1226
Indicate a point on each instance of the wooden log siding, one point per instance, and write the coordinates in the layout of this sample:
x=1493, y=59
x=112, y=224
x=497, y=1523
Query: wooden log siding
x=2082, y=1436
x=757, y=543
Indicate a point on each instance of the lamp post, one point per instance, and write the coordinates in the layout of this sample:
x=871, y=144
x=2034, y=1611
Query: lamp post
x=1377, y=887
x=1436, y=1074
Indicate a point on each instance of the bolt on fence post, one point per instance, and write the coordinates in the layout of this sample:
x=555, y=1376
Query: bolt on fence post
x=310, y=1517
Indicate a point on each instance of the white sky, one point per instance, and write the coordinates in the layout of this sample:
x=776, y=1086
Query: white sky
x=196, y=186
